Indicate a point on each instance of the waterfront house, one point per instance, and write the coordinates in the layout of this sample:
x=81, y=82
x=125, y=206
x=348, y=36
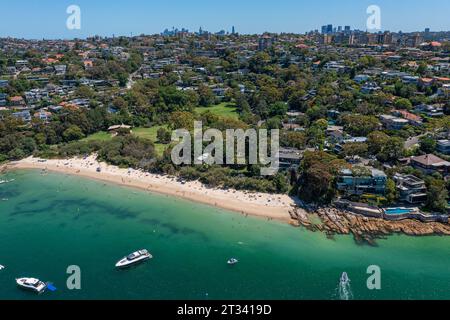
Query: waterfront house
x=429, y=164
x=411, y=189
x=290, y=158
x=362, y=180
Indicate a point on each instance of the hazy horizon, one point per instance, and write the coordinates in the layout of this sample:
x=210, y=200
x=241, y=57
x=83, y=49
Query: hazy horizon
x=27, y=19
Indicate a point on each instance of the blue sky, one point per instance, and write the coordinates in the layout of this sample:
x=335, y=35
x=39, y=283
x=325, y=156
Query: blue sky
x=47, y=18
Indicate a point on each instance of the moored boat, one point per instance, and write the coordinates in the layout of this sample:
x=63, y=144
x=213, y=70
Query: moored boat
x=134, y=258
x=31, y=284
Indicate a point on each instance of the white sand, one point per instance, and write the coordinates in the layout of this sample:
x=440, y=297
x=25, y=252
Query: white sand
x=256, y=204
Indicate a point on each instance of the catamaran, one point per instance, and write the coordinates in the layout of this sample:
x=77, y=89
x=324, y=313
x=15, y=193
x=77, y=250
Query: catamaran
x=31, y=284
x=134, y=258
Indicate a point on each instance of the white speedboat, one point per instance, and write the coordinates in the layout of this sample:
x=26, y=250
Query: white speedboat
x=233, y=261
x=134, y=258
x=2, y=267
x=31, y=284
x=6, y=181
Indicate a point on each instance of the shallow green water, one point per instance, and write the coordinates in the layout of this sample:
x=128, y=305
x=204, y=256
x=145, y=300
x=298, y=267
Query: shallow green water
x=51, y=222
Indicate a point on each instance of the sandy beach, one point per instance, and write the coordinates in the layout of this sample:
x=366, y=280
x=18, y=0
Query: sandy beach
x=268, y=206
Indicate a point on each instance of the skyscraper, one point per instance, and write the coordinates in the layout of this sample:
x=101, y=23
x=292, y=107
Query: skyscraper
x=233, y=30
x=330, y=28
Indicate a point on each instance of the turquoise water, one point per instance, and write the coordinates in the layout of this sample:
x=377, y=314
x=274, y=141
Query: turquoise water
x=398, y=211
x=51, y=222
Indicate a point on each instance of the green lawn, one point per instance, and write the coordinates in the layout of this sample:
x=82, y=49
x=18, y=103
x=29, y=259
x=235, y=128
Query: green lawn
x=224, y=109
x=144, y=133
x=151, y=134
x=99, y=136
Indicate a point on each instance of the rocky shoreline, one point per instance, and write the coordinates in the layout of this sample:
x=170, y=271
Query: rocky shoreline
x=365, y=230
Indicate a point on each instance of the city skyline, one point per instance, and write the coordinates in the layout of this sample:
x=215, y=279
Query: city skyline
x=47, y=20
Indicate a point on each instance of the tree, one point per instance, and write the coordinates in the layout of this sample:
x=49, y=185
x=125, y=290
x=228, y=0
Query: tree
x=393, y=150
x=359, y=125
x=181, y=120
x=355, y=149
x=73, y=133
x=85, y=92
x=164, y=136
x=206, y=96
x=403, y=103
x=437, y=195
x=318, y=175
x=391, y=192
x=292, y=139
x=377, y=140
x=427, y=144
x=385, y=148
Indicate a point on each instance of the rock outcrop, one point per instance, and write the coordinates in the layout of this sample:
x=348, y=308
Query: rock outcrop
x=364, y=229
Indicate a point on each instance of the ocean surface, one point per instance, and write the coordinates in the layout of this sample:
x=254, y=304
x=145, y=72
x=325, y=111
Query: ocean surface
x=50, y=222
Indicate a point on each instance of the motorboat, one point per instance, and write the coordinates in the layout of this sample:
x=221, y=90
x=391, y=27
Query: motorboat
x=31, y=284
x=344, y=278
x=134, y=258
x=2, y=267
x=233, y=261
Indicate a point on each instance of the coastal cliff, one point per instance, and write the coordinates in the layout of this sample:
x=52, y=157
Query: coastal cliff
x=365, y=230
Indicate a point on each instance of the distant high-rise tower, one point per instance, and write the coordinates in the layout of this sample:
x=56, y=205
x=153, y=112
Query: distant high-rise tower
x=339, y=29
x=265, y=42
x=330, y=28
x=347, y=29
x=324, y=29
x=427, y=30
x=233, y=30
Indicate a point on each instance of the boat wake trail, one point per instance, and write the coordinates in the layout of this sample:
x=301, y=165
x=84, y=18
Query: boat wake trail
x=344, y=289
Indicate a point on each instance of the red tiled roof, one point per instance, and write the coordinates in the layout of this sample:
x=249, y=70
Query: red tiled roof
x=428, y=160
x=16, y=98
x=409, y=116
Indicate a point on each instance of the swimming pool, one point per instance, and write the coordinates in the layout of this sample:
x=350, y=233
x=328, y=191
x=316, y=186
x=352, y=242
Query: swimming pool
x=398, y=211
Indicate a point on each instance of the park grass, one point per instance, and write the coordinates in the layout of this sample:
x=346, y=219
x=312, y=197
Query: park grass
x=99, y=136
x=144, y=133
x=224, y=109
x=152, y=135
